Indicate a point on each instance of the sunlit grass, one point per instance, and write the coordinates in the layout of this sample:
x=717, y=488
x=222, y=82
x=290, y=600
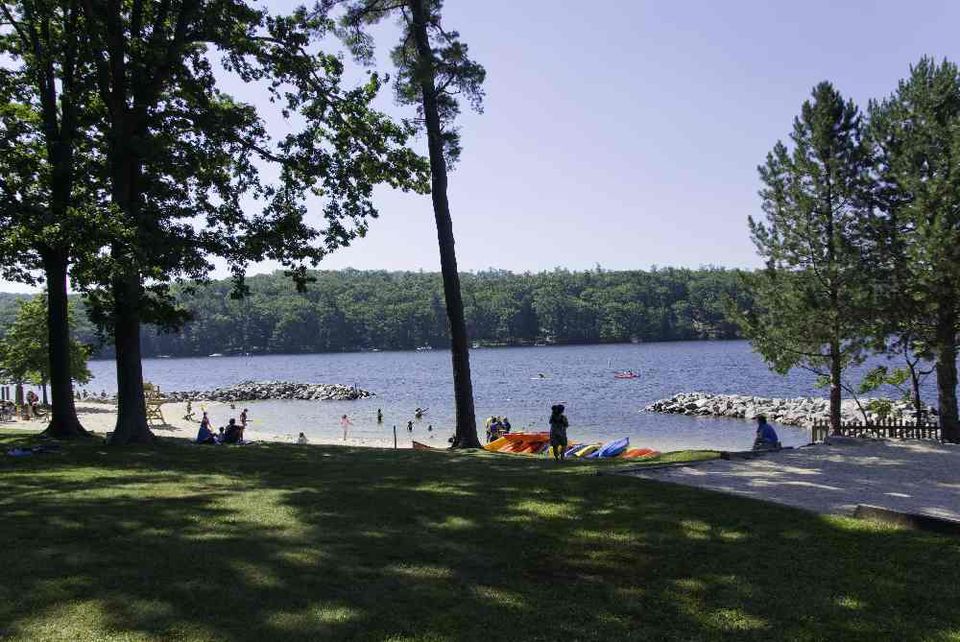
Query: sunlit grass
x=279, y=542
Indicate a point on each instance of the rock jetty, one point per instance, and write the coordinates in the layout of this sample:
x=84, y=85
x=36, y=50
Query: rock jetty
x=798, y=411
x=270, y=390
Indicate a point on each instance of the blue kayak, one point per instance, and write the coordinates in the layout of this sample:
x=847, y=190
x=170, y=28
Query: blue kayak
x=614, y=448
x=572, y=449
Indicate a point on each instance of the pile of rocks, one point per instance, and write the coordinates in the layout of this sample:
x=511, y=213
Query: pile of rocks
x=799, y=411
x=269, y=390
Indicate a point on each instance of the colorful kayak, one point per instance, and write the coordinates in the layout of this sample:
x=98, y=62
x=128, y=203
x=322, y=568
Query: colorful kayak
x=572, y=449
x=614, y=448
x=585, y=451
x=519, y=442
x=496, y=444
x=636, y=453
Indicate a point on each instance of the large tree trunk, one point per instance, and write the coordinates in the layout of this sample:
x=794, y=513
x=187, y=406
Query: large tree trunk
x=466, y=430
x=64, y=423
x=836, y=371
x=946, y=369
x=131, y=424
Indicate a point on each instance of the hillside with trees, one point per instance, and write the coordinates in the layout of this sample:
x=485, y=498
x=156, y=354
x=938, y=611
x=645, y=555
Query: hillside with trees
x=362, y=310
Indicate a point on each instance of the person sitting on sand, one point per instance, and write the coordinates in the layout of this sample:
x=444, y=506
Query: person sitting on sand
x=558, y=431
x=205, y=435
x=231, y=435
x=302, y=439
x=766, y=436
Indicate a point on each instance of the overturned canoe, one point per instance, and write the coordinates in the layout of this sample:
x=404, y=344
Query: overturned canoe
x=613, y=448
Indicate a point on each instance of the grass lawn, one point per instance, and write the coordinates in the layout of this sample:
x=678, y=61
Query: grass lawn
x=279, y=542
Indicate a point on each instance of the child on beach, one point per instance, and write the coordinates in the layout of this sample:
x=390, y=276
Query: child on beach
x=345, y=423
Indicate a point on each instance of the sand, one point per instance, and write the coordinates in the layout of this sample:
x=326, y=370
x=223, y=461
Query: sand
x=912, y=476
x=100, y=418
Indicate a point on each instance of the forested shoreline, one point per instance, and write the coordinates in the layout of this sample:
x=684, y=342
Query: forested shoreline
x=349, y=310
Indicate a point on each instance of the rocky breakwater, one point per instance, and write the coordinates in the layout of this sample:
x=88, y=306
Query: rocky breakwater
x=272, y=390
x=798, y=411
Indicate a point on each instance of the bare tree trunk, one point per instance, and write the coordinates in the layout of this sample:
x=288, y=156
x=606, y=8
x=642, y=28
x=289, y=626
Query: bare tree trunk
x=466, y=429
x=131, y=426
x=835, y=390
x=946, y=369
x=64, y=423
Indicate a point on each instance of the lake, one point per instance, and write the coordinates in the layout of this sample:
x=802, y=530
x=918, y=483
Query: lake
x=505, y=382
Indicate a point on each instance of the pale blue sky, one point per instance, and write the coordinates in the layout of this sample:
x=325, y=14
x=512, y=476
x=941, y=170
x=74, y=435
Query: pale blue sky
x=627, y=133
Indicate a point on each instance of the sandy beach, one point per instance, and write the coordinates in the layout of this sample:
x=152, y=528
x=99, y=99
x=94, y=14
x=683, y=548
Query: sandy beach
x=100, y=418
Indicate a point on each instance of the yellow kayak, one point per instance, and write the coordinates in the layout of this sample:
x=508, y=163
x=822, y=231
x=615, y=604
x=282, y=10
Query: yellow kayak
x=586, y=450
x=496, y=444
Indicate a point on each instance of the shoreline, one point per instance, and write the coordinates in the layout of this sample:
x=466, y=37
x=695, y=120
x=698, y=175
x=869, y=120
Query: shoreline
x=99, y=417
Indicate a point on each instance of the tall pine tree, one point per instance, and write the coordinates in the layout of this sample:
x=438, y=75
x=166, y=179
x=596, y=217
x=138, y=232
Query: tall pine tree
x=434, y=70
x=916, y=137
x=812, y=299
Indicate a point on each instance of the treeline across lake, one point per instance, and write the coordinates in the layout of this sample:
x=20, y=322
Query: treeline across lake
x=362, y=310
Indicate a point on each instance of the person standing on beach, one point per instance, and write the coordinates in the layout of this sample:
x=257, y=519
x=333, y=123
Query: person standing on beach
x=243, y=422
x=558, y=431
x=345, y=423
x=379, y=415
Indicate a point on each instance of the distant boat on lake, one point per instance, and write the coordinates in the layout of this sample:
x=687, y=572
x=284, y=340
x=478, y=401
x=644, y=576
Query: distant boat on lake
x=424, y=348
x=215, y=354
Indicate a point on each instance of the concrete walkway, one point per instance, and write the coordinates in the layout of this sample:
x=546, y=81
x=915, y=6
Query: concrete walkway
x=919, y=477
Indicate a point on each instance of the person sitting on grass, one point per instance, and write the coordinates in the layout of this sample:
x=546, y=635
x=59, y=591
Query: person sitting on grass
x=766, y=436
x=558, y=431
x=231, y=435
x=302, y=439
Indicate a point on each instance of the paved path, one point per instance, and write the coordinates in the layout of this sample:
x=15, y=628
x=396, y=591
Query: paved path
x=921, y=477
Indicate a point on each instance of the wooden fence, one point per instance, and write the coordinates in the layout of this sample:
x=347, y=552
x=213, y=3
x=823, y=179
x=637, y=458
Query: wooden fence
x=884, y=428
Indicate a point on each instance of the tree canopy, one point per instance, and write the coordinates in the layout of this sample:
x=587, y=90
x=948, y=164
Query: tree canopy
x=24, y=347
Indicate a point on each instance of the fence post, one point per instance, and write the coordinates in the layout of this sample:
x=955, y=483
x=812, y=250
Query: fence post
x=394, y=437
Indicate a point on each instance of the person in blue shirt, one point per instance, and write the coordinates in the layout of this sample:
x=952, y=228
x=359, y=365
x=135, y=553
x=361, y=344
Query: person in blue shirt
x=766, y=436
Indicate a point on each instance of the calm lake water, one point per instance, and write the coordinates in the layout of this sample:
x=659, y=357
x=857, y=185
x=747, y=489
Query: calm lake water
x=505, y=383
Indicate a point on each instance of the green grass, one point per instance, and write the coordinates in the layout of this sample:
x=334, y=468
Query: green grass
x=278, y=542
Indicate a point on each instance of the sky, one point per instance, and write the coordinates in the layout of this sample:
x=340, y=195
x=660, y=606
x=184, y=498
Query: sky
x=626, y=133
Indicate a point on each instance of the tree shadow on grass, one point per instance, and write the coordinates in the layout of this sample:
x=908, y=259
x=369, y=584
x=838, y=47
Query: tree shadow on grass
x=286, y=542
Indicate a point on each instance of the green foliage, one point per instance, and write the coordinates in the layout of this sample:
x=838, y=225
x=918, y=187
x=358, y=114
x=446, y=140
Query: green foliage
x=24, y=349
x=355, y=310
x=195, y=173
x=451, y=72
x=915, y=134
x=882, y=408
x=813, y=298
